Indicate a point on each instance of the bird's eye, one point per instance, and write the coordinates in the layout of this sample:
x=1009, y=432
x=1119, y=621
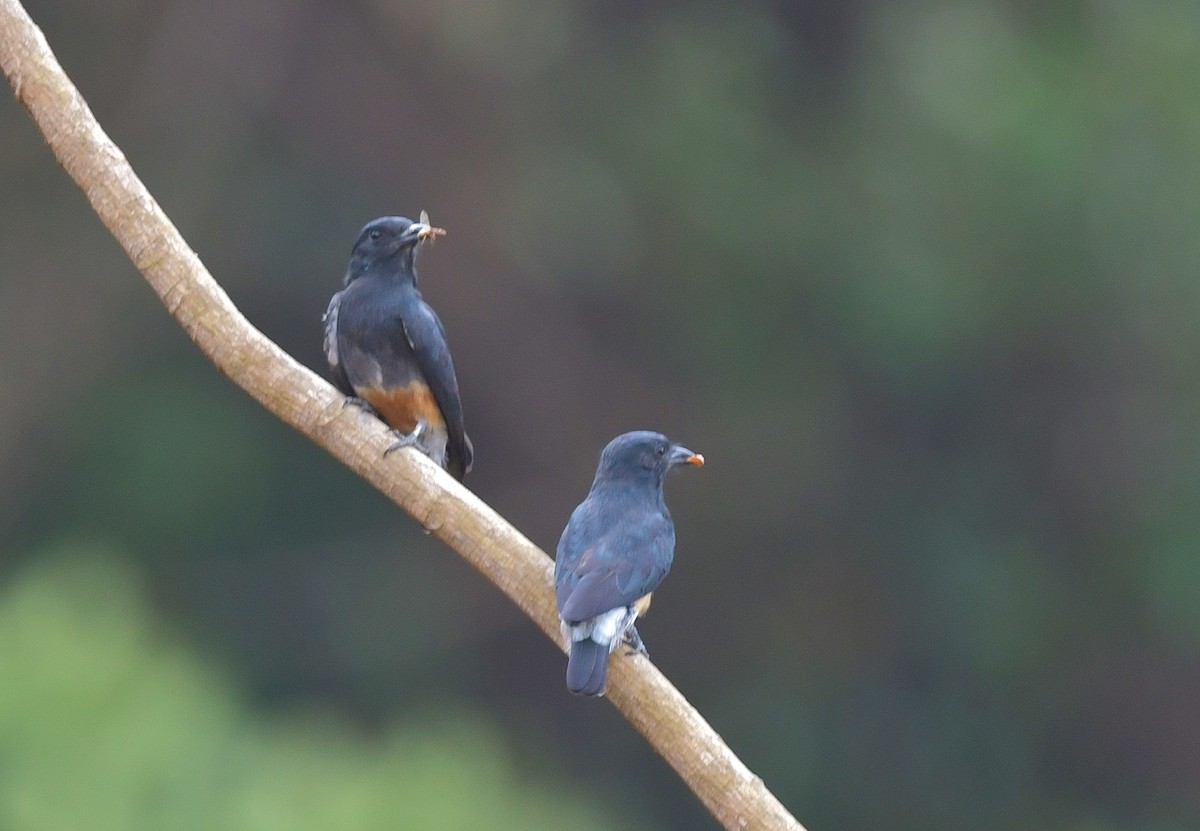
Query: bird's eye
x=660, y=451
x=375, y=233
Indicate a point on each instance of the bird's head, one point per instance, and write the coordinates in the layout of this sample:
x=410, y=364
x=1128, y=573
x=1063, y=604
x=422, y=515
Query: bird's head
x=643, y=455
x=390, y=241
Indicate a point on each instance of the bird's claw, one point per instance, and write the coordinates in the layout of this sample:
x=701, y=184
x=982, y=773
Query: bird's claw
x=355, y=401
x=634, y=641
x=406, y=439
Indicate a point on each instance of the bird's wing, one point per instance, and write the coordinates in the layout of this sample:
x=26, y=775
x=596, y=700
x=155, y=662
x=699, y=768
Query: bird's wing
x=336, y=370
x=576, y=542
x=427, y=338
x=628, y=561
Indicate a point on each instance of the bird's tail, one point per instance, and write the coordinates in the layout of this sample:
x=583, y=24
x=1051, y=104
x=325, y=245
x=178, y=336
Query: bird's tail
x=460, y=455
x=587, y=668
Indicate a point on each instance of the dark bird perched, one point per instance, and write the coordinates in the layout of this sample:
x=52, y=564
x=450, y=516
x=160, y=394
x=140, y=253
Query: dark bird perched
x=616, y=549
x=387, y=349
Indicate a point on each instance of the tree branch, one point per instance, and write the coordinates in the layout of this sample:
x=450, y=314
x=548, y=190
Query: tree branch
x=736, y=797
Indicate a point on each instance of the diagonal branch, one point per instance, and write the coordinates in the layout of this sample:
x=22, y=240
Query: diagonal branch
x=736, y=797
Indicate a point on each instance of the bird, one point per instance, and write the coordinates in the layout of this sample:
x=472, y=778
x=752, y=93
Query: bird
x=387, y=348
x=615, y=550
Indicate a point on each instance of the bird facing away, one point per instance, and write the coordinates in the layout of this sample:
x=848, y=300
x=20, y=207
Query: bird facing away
x=616, y=549
x=387, y=349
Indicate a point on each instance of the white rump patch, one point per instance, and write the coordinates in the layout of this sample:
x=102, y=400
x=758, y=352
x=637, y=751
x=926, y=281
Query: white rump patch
x=606, y=629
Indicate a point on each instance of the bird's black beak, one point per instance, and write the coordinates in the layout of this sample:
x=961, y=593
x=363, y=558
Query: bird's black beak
x=682, y=456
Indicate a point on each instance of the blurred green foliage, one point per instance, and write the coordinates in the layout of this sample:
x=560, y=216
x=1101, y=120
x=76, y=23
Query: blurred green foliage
x=106, y=723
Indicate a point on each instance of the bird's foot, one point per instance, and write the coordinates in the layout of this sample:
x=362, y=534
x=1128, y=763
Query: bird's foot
x=633, y=640
x=406, y=439
x=355, y=401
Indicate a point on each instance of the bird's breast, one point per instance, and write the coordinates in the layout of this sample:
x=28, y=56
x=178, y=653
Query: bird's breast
x=403, y=406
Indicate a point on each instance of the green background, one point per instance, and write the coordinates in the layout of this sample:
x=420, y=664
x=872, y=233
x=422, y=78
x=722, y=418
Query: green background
x=919, y=279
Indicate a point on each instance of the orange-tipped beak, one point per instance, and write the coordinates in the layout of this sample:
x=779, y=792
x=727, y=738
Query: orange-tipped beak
x=695, y=459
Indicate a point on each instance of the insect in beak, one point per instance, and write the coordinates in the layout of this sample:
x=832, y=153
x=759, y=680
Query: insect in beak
x=428, y=232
